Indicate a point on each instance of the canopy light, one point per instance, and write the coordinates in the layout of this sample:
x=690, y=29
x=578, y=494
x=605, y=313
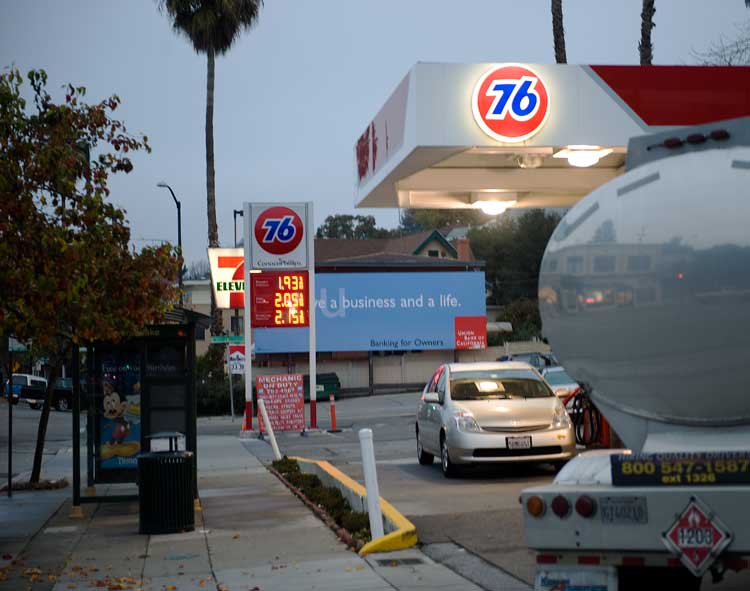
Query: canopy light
x=493, y=207
x=583, y=156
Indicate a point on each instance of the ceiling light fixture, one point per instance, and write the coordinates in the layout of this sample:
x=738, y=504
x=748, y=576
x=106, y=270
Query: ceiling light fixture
x=582, y=156
x=493, y=207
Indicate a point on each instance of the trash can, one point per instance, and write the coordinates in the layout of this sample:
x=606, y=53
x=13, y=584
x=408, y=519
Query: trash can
x=327, y=384
x=165, y=492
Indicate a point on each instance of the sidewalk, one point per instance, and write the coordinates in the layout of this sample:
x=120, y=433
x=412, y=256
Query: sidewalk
x=252, y=534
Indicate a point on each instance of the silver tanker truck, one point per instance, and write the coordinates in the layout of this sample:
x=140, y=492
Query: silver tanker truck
x=645, y=296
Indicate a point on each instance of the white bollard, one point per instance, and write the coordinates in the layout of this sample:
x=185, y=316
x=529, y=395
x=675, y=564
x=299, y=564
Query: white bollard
x=269, y=429
x=371, y=483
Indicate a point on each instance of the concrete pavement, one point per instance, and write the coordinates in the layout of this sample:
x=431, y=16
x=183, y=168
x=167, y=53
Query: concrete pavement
x=252, y=534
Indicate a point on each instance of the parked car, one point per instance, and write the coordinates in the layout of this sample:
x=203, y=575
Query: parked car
x=33, y=389
x=560, y=382
x=28, y=388
x=491, y=412
x=537, y=360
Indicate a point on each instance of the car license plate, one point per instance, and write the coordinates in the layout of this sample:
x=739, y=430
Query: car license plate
x=624, y=510
x=518, y=442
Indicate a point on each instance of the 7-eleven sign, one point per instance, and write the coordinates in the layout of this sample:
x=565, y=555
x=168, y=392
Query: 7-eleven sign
x=697, y=537
x=227, y=276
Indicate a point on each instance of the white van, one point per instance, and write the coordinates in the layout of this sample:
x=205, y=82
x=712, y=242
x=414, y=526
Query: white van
x=30, y=389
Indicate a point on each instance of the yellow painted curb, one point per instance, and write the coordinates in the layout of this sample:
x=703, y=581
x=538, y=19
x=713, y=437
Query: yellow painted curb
x=404, y=532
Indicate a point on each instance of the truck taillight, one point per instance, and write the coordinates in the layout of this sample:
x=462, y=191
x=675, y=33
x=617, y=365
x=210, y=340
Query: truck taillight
x=536, y=506
x=585, y=506
x=561, y=506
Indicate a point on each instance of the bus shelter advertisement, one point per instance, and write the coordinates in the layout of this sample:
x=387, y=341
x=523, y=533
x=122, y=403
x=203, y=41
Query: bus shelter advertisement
x=390, y=312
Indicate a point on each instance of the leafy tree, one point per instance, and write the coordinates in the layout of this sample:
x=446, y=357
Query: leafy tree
x=645, y=47
x=512, y=250
x=67, y=275
x=198, y=270
x=558, y=32
x=359, y=227
x=416, y=220
x=212, y=27
x=728, y=51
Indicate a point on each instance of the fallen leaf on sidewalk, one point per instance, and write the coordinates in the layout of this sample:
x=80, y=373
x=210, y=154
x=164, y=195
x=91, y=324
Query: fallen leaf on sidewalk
x=236, y=537
x=360, y=567
x=72, y=586
x=202, y=584
x=171, y=588
x=348, y=569
x=51, y=578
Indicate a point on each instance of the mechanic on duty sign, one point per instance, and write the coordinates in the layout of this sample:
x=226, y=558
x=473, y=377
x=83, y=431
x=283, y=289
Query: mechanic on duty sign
x=284, y=398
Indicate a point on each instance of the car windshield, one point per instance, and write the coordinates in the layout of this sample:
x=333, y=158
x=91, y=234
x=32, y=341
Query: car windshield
x=558, y=377
x=497, y=385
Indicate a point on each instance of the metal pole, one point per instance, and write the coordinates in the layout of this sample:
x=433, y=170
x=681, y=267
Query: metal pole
x=269, y=429
x=313, y=365
x=90, y=419
x=371, y=483
x=10, y=421
x=179, y=228
x=370, y=373
x=76, y=509
x=179, y=243
x=231, y=391
x=248, y=320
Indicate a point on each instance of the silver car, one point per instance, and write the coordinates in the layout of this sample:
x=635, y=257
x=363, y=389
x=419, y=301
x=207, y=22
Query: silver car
x=560, y=382
x=491, y=412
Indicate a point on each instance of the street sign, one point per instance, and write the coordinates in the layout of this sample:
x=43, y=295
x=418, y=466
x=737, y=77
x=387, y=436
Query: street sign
x=224, y=339
x=237, y=359
x=697, y=537
x=284, y=398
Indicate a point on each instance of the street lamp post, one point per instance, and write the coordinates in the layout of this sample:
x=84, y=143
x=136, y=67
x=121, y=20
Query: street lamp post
x=179, y=228
x=237, y=212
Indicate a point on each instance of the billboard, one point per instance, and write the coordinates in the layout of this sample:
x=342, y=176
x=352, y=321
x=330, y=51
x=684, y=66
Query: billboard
x=389, y=312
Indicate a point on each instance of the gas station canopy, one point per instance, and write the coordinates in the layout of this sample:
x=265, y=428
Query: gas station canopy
x=495, y=136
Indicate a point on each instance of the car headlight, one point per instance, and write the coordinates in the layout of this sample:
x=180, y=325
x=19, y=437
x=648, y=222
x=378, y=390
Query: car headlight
x=560, y=419
x=465, y=422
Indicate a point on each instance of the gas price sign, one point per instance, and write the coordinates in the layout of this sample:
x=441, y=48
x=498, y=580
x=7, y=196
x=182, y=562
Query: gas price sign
x=279, y=299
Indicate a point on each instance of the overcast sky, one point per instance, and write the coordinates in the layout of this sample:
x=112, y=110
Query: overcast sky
x=294, y=94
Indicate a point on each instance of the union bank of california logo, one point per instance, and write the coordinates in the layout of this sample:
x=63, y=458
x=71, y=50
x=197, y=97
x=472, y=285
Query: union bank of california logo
x=510, y=103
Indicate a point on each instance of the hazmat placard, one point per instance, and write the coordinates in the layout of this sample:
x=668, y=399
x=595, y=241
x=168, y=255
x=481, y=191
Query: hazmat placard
x=284, y=398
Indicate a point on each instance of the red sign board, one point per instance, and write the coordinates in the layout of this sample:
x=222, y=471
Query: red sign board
x=284, y=399
x=697, y=537
x=280, y=299
x=471, y=332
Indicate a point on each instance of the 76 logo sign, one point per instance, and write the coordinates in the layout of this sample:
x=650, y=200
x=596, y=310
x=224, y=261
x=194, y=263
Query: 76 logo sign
x=510, y=103
x=278, y=230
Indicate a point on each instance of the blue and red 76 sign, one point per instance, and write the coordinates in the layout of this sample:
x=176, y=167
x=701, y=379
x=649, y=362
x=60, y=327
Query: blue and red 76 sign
x=278, y=230
x=510, y=103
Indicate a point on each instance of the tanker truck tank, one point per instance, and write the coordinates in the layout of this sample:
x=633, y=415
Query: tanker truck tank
x=645, y=294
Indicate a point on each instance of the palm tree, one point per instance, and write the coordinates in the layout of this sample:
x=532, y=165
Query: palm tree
x=212, y=26
x=558, y=32
x=645, y=48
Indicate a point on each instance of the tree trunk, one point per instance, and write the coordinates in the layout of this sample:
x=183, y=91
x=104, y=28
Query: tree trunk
x=41, y=433
x=645, y=48
x=558, y=32
x=217, y=326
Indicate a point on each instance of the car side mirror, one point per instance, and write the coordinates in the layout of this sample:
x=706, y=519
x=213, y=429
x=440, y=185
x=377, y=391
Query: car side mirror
x=431, y=397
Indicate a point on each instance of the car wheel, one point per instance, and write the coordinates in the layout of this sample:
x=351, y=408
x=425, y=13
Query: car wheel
x=35, y=405
x=423, y=457
x=62, y=403
x=449, y=468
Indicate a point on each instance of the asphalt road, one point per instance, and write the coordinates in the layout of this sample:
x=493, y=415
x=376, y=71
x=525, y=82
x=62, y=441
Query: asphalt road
x=25, y=425
x=478, y=512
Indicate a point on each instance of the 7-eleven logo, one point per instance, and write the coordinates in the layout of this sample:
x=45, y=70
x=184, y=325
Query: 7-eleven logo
x=227, y=276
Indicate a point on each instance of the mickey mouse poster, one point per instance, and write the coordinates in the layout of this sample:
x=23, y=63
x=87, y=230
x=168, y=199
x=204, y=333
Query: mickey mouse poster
x=119, y=421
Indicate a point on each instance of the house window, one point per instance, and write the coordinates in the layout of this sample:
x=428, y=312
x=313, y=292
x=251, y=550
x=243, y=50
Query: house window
x=200, y=334
x=575, y=264
x=604, y=264
x=433, y=253
x=639, y=263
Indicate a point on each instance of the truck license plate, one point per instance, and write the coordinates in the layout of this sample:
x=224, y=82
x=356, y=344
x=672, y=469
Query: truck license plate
x=624, y=510
x=518, y=442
